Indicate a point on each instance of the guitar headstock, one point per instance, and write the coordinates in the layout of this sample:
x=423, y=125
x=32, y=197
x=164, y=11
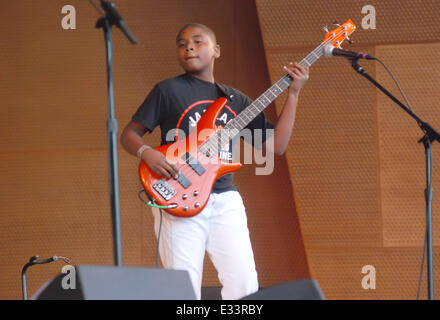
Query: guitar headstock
x=338, y=35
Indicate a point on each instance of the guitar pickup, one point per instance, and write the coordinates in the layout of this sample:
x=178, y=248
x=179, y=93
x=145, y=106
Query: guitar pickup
x=193, y=163
x=183, y=180
x=164, y=189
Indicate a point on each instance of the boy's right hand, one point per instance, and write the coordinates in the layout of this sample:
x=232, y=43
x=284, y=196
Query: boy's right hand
x=159, y=164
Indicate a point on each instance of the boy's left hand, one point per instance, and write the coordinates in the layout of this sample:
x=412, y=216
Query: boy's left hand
x=299, y=73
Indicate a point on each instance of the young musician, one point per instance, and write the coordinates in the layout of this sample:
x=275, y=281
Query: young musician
x=221, y=227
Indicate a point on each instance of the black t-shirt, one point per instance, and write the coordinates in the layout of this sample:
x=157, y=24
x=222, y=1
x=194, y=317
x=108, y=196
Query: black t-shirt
x=179, y=103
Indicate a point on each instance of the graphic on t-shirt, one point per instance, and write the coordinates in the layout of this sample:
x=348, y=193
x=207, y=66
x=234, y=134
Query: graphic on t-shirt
x=192, y=114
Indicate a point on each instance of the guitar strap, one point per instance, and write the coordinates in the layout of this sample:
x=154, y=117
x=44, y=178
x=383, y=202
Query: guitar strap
x=225, y=92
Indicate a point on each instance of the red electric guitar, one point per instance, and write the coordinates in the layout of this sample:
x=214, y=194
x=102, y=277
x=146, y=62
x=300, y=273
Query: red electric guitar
x=197, y=155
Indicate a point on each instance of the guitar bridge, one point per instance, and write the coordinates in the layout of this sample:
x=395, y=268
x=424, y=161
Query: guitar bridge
x=164, y=189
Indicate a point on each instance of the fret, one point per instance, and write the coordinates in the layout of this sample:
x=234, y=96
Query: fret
x=274, y=95
x=311, y=59
x=231, y=125
x=261, y=104
x=255, y=108
x=264, y=95
x=220, y=139
x=224, y=139
x=232, y=133
x=318, y=51
x=208, y=147
x=238, y=119
x=249, y=108
x=285, y=81
x=265, y=99
x=308, y=63
x=281, y=84
x=281, y=90
x=217, y=140
x=245, y=115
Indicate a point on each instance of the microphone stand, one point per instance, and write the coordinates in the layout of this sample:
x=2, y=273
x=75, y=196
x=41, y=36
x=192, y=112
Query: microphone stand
x=33, y=261
x=430, y=135
x=106, y=22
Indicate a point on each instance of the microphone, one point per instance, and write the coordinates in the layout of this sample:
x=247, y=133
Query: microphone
x=66, y=260
x=34, y=260
x=329, y=51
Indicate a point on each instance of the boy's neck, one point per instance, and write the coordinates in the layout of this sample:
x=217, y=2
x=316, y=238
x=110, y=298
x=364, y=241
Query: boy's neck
x=205, y=76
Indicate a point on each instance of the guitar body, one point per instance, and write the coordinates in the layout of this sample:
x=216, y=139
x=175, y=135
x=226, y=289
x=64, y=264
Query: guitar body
x=190, y=192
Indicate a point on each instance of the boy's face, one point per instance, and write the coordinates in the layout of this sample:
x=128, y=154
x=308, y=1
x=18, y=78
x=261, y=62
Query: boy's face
x=196, y=49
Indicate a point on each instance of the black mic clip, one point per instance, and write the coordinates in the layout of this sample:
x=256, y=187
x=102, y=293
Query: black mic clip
x=356, y=66
x=113, y=18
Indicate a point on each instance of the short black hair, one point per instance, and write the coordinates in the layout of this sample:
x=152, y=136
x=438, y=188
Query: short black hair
x=198, y=25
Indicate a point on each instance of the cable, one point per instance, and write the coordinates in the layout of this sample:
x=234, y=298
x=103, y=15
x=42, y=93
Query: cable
x=423, y=263
x=158, y=239
x=426, y=229
x=396, y=82
x=151, y=204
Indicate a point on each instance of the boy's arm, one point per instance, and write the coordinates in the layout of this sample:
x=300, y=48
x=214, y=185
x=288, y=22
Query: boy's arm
x=131, y=140
x=284, y=125
x=131, y=137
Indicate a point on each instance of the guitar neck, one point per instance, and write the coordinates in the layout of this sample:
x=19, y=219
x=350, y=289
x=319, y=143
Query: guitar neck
x=234, y=126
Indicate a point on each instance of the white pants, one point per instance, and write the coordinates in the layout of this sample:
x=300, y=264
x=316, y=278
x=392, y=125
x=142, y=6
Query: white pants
x=220, y=229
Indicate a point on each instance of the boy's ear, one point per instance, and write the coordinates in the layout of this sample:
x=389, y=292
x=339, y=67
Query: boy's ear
x=217, y=51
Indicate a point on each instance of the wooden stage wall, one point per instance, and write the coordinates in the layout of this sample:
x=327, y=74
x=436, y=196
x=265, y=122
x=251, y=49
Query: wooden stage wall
x=54, y=197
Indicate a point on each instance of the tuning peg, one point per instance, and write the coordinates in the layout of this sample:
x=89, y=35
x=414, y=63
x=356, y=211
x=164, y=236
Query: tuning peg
x=336, y=24
x=325, y=28
x=349, y=41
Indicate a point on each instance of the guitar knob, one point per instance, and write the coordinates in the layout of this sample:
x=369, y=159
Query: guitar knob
x=184, y=196
x=185, y=208
x=196, y=193
x=197, y=204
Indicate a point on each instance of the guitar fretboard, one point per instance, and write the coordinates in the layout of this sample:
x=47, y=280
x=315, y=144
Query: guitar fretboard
x=234, y=126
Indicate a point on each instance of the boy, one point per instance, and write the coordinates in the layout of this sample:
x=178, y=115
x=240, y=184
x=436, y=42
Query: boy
x=221, y=227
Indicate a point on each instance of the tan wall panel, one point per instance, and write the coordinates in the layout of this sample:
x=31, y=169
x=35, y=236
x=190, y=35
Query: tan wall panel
x=358, y=174
x=397, y=272
x=332, y=155
x=292, y=23
x=45, y=212
x=402, y=159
